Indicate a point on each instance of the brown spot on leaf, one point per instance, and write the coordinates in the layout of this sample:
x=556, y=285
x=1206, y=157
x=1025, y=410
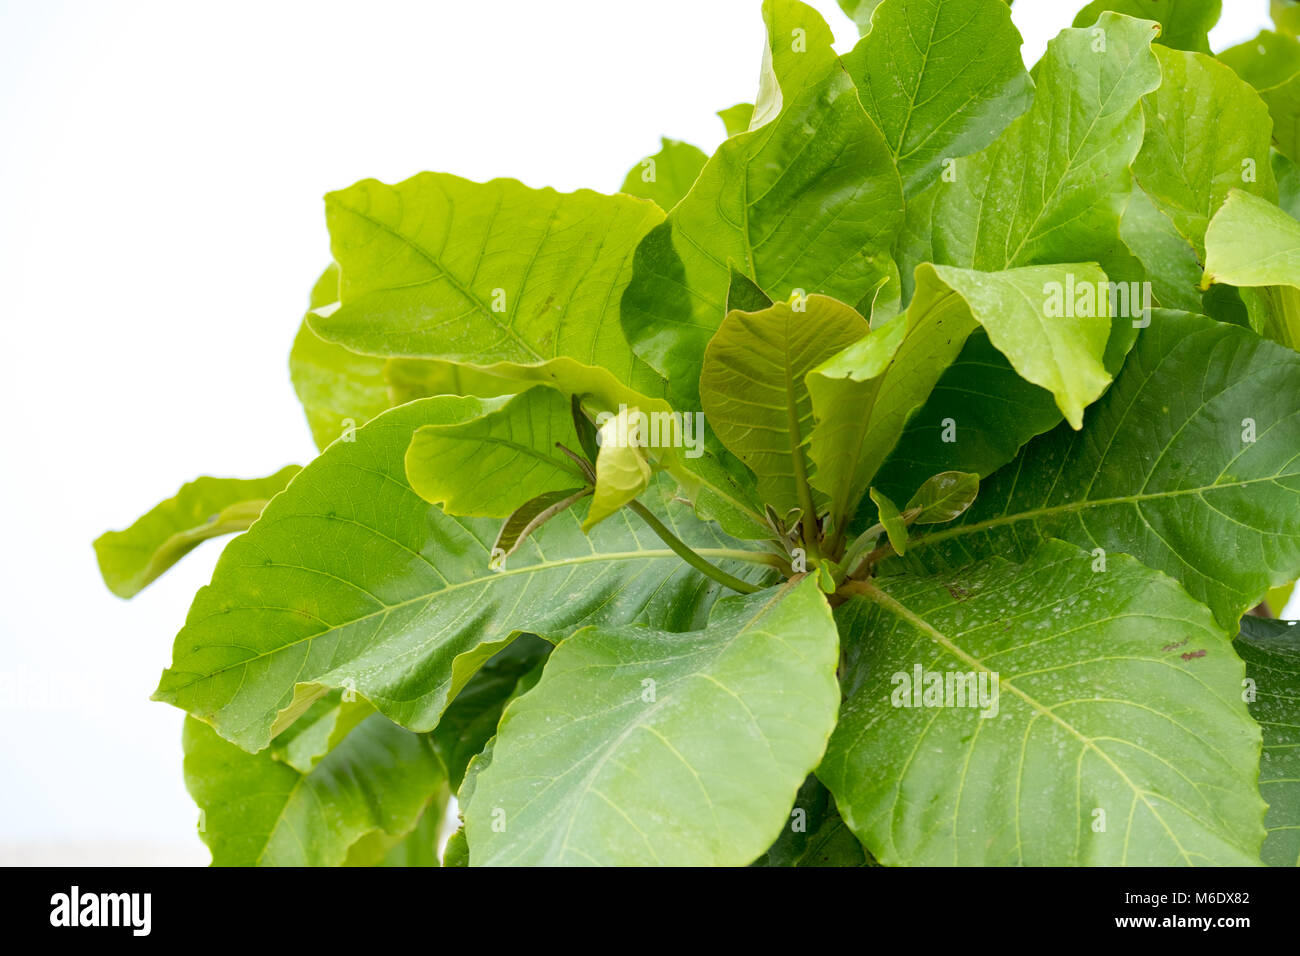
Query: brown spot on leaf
x=1191, y=654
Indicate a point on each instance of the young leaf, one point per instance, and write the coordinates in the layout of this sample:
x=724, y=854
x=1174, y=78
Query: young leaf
x=753, y=392
x=531, y=515
x=1184, y=24
x=455, y=463
x=1099, y=720
x=727, y=722
x=667, y=176
x=622, y=471
x=808, y=200
x=864, y=396
x=258, y=811
x=1252, y=243
x=350, y=579
x=895, y=526
x=941, y=80
x=1271, y=650
x=1206, y=132
x=1271, y=64
x=860, y=11
x=944, y=497
x=1190, y=464
x=204, y=508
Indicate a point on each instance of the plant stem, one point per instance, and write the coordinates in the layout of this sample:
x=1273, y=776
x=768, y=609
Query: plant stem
x=689, y=556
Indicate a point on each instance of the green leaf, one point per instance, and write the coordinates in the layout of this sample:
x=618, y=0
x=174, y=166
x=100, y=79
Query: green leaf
x=1252, y=243
x=524, y=282
x=1166, y=471
x=1086, y=692
x=351, y=580
x=204, y=508
x=1184, y=24
x=808, y=199
x=471, y=719
x=753, y=392
x=1168, y=259
x=1286, y=16
x=864, y=396
x=1207, y=132
x=258, y=811
x=667, y=176
x=860, y=11
x=420, y=846
x=815, y=835
x=1271, y=650
x=1051, y=188
x=644, y=747
x=1271, y=64
x=458, y=463
x=944, y=497
x=339, y=389
x=895, y=526
x=941, y=80
x=457, y=850
x=319, y=730
x=736, y=118
x=622, y=471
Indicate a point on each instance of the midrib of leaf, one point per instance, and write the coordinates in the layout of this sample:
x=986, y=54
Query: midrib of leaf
x=1080, y=506
x=469, y=296
x=873, y=593
x=920, y=78
x=608, y=556
x=796, y=441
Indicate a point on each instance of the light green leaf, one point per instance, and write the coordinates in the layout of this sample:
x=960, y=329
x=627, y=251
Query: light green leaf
x=807, y=200
x=1271, y=64
x=736, y=118
x=521, y=281
x=420, y=846
x=1271, y=650
x=204, y=508
x=753, y=391
x=944, y=497
x=338, y=388
x=1286, y=16
x=258, y=811
x=1168, y=259
x=458, y=464
x=860, y=11
x=1087, y=698
x=319, y=730
x=1052, y=187
x=1191, y=463
x=1207, y=132
x=1252, y=243
x=667, y=176
x=644, y=747
x=622, y=471
x=350, y=579
x=895, y=526
x=1184, y=24
x=864, y=396
x=941, y=80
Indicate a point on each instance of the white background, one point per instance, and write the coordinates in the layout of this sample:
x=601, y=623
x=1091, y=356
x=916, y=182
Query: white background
x=161, y=174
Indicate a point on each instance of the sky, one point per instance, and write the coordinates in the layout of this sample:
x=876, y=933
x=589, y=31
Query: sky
x=160, y=228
